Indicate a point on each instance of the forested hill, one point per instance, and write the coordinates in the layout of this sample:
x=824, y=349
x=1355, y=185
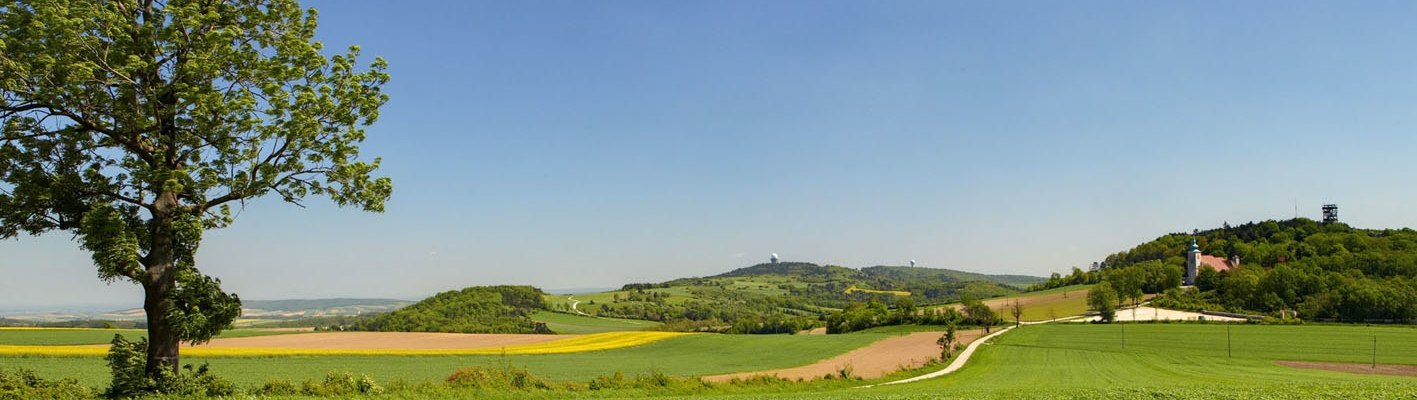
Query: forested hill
x=480, y=309
x=790, y=269
x=883, y=275
x=1323, y=271
x=917, y=273
x=785, y=296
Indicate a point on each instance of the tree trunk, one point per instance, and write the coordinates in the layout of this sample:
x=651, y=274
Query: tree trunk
x=162, y=338
x=161, y=281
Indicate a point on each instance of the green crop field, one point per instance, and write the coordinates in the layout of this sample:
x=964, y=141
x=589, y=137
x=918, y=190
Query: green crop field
x=1167, y=361
x=67, y=336
x=692, y=355
x=577, y=324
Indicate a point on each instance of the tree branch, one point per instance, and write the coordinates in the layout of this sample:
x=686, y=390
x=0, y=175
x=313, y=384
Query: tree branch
x=120, y=197
x=51, y=110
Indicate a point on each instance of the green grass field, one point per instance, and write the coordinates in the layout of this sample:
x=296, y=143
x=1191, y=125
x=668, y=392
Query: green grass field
x=65, y=336
x=1167, y=361
x=575, y=324
x=693, y=355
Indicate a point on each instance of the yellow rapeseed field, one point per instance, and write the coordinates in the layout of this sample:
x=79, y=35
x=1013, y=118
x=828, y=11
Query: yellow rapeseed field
x=854, y=289
x=595, y=342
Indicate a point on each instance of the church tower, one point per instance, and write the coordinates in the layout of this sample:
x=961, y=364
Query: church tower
x=1193, y=259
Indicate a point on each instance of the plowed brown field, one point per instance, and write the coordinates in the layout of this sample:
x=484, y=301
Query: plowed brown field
x=873, y=361
x=1381, y=369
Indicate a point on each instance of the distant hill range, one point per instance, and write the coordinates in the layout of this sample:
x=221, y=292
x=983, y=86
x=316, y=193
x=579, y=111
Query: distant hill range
x=764, y=298
x=786, y=296
x=885, y=274
x=882, y=275
x=251, y=309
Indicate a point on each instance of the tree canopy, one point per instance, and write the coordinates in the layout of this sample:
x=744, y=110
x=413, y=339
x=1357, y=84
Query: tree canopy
x=138, y=124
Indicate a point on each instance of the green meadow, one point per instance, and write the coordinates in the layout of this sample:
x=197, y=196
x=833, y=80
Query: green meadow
x=1084, y=361
x=578, y=324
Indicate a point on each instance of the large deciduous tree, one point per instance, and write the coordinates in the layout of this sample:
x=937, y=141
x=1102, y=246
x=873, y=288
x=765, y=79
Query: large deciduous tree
x=138, y=124
x=1104, y=299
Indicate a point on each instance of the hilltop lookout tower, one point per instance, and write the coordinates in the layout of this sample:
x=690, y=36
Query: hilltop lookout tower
x=1330, y=213
x=773, y=259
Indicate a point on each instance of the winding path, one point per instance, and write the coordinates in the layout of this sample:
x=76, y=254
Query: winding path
x=954, y=365
x=964, y=356
x=575, y=303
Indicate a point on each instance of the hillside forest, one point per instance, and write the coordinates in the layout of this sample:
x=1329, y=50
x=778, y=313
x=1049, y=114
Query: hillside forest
x=1299, y=267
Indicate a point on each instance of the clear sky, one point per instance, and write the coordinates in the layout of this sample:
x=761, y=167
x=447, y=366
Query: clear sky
x=571, y=144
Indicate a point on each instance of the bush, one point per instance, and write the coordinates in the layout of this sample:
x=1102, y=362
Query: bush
x=127, y=362
x=604, y=382
x=341, y=383
x=24, y=384
x=504, y=376
x=655, y=378
x=277, y=387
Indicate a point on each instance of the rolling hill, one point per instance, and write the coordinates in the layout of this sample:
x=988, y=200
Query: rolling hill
x=480, y=309
x=783, y=297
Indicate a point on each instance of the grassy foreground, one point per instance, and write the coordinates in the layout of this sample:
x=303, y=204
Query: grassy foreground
x=1166, y=361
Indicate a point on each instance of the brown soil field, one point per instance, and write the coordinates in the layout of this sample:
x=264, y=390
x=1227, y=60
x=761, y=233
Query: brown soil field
x=382, y=340
x=1381, y=369
x=873, y=361
x=1002, y=305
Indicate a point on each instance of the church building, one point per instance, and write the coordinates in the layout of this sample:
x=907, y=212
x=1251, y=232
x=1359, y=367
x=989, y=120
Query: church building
x=1194, y=260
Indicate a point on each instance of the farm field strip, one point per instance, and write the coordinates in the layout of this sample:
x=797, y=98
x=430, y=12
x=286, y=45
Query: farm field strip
x=577, y=344
x=685, y=355
x=81, y=336
x=1041, y=305
x=854, y=289
x=563, y=323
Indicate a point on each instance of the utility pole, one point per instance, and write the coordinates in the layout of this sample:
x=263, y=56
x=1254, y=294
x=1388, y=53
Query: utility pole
x=1229, y=353
x=1124, y=336
x=1375, y=351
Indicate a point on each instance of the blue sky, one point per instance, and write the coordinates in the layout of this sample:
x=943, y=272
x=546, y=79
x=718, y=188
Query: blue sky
x=589, y=144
